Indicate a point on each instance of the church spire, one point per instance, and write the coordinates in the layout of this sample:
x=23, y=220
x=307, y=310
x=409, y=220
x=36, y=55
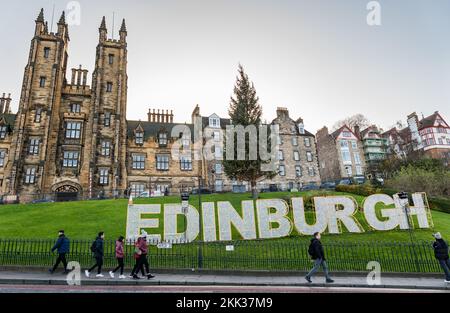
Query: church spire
x=62, y=19
x=102, y=30
x=103, y=24
x=40, y=17
x=123, y=28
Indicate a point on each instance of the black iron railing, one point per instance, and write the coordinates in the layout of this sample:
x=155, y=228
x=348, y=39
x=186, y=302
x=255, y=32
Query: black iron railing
x=274, y=255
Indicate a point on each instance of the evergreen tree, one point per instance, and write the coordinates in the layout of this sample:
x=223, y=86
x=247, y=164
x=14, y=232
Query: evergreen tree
x=245, y=110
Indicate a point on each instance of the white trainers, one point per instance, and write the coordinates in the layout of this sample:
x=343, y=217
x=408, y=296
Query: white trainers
x=122, y=276
x=99, y=275
x=447, y=281
x=111, y=274
x=86, y=272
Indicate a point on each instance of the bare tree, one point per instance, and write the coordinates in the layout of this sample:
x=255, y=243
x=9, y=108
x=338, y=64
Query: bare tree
x=352, y=121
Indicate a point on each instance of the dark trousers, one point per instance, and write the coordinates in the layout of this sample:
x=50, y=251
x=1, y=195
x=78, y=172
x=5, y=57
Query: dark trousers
x=61, y=258
x=445, y=264
x=98, y=264
x=120, y=266
x=141, y=262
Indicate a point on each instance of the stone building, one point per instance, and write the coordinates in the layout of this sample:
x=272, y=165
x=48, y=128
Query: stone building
x=152, y=166
x=297, y=154
x=341, y=154
x=69, y=138
x=213, y=129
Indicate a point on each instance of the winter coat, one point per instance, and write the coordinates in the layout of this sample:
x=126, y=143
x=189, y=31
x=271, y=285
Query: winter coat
x=98, y=253
x=317, y=249
x=143, y=246
x=62, y=245
x=440, y=249
x=119, y=249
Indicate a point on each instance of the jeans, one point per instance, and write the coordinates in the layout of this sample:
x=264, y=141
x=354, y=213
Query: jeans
x=318, y=263
x=98, y=264
x=445, y=264
x=120, y=266
x=61, y=258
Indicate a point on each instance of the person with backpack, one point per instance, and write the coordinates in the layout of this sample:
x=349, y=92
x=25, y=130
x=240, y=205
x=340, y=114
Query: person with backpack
x=316, y=252
x=441, y=254
x=97, y=250
x=119, y=257
x=62, y=245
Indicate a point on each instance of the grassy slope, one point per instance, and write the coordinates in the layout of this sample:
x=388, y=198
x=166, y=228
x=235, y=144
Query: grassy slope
x=85, y=218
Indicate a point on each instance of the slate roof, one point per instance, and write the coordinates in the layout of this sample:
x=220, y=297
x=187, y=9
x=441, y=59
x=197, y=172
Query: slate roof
x=10, y=119
x=151, y=129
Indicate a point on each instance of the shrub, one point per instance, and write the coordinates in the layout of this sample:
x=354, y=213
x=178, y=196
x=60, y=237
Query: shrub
x=412, y=179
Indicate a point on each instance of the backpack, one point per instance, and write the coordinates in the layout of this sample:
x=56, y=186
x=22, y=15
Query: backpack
x=311, y=250
x=94, y=246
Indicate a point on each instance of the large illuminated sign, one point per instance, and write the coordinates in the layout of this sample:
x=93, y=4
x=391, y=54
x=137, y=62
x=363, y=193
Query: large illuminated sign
x=271, y=218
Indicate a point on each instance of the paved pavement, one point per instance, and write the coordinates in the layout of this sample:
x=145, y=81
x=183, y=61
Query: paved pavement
x=210, y=282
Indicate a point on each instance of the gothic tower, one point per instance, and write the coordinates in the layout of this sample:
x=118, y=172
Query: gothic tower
x=109, y=99
x=37, y=119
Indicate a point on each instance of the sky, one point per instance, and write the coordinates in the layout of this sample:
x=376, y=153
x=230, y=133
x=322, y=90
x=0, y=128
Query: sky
x=318, y=58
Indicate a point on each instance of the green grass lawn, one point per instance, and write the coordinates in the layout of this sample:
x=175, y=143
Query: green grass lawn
x=83, y=219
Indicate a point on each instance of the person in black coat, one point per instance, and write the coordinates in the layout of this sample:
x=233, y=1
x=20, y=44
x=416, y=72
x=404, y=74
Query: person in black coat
x=62, y=245
x=97, y=249
x=441, y=253
x=316, y=252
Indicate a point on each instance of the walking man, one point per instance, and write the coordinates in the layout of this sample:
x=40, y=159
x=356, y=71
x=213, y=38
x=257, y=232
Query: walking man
x=97, y=249
x=316, y=252
x=441, y=253
x=62, y=245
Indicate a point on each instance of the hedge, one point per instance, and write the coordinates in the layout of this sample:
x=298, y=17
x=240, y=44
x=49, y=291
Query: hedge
x=436, y=203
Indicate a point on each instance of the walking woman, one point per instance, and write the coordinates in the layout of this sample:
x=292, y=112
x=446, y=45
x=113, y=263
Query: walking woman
x=143, y=247
x=119, y=257
x=137, y=256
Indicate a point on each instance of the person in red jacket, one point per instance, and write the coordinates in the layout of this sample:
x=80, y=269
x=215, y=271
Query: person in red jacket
x=119, y=257
x=143, y=261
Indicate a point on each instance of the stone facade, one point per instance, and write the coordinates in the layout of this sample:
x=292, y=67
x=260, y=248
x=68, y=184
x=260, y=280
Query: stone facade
x=297, y=155
x=61, y=126
x=151, y=164
x=341, y=154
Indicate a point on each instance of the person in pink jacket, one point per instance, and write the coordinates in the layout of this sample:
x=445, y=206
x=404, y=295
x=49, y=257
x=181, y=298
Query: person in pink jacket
x=119, y=257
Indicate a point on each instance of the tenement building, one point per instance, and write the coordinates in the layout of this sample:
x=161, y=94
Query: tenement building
x=341, y=154
x=297, y=155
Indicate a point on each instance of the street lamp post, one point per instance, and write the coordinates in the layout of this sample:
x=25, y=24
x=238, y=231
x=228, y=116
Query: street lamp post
x=404, y=201
x=200, y=226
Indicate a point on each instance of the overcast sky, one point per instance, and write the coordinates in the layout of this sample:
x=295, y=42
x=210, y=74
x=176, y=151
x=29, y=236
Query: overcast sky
x=318, y=58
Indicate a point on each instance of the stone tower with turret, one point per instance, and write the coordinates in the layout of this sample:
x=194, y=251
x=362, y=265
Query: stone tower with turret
x=33, y=142
x=69, y=139
x=109, y=104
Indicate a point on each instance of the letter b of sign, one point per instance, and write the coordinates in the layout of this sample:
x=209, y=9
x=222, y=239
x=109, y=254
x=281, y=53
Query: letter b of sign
x=374, y=15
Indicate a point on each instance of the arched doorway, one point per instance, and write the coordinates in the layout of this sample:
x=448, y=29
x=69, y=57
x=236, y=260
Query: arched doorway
x=66, y=192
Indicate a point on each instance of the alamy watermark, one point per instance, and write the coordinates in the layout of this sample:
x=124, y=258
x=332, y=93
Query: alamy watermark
x=374, y=16
x=234, y=143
